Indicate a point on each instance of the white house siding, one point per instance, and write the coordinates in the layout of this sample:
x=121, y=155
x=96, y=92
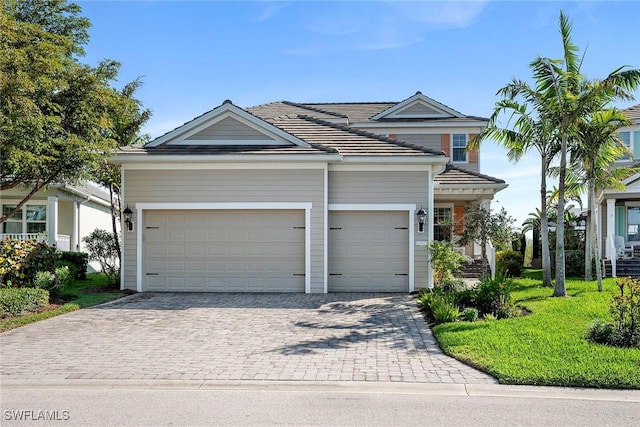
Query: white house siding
x=93, y=217
x=228, y=186
x=386, y=187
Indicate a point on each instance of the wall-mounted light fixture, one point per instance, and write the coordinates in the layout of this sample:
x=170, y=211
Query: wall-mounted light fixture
x=128, y=214
x=422, y=217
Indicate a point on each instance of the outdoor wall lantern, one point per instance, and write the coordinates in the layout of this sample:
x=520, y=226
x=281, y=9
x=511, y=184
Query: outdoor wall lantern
x=128, y=213
x=422, y=217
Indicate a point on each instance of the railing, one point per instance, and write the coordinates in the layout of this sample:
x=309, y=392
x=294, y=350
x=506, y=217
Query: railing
x=63, y=242
x=24, y=236
x=614, y=254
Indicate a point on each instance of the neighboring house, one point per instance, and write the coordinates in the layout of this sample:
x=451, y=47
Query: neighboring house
x=60, y=214
x=621, y=208
x=287, y=197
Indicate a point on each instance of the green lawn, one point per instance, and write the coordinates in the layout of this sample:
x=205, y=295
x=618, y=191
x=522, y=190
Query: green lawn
x=548, y=346
x=79, y=298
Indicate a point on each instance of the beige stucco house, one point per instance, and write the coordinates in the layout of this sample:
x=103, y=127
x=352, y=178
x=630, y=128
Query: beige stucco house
x=287, y=197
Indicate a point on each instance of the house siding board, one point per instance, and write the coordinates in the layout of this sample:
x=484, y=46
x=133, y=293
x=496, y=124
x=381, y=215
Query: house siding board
x=374, y=187
x=229, y=129
x=418, y=108
x=221, y=186
x=430, y=141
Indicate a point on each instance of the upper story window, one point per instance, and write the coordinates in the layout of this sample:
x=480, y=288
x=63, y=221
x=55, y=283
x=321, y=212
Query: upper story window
x=626, y=138
x=459, y=147
x=29, y=219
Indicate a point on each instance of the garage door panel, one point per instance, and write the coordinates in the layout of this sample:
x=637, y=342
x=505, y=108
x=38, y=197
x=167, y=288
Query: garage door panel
x=368, y=251
x=229, y=251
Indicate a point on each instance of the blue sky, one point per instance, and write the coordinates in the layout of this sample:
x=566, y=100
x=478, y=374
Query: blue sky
x=194, y=55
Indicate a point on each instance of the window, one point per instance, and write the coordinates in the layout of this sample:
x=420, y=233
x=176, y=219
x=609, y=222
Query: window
x=442, y=224
x=633, y=223
x=626, y=138
x=29, y=219
x=458, y=147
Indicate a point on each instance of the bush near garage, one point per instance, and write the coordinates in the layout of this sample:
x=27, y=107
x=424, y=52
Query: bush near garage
x=16, y=301
x=80, y=260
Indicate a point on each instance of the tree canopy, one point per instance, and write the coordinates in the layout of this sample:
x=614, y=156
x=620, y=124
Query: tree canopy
x=55, y=112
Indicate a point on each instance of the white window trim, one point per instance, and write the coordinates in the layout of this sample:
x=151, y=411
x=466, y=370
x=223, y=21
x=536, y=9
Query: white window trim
x=24, y=214
x=306, y=206
x=443, y=205
x=409, y=208
x=466, y=153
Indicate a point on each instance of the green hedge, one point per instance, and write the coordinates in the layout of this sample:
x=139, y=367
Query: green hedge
x=80, y=260
x=16, y=301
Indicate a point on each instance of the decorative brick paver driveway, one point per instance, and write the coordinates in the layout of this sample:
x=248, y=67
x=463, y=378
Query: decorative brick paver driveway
x=318, y=337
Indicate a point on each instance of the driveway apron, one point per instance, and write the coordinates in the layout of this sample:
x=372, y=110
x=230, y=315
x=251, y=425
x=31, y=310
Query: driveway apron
x=209, y=336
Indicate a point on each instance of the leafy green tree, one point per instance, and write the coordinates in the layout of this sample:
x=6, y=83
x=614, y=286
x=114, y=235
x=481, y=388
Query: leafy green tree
x=126, y=121
x=53, y=109
x=481, y=225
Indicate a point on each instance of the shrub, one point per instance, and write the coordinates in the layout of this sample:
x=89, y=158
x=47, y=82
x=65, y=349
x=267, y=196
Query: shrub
x=445, y=259
x=444, y=311
x=80, y=260
x=600, y=332
x=489, y=317
x=511, y=262
x=42, y=257
x=65, y=273
x=493, y=295
x=624, y=331
x=469, y=314
x=45, y=280
x=102, y=247
x=16, y=301
x=452, y=285
x=12, y=255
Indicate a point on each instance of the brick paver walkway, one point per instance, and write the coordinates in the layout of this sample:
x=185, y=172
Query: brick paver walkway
x=318, y=337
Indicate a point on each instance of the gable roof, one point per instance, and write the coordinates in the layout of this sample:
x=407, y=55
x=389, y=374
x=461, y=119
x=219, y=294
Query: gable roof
x=418, y=106
x=454, y=175
x=226, y=125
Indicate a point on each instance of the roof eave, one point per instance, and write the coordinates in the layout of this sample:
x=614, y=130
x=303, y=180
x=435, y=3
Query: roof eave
x=395, y=159
x=123, y=158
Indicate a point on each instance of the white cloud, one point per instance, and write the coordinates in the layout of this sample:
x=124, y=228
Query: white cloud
x=441, y=14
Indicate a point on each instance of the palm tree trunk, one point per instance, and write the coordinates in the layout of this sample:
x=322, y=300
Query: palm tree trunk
x=588, y=240
x=544, y=226
x=114, y=228
x=560, y=289
x=596, y=233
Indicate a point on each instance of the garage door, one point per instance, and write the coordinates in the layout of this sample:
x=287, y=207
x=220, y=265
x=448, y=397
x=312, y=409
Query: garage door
x=224, y=251
x=368, y=251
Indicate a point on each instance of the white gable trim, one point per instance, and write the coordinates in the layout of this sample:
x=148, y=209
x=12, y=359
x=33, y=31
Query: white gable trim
x=178, y=136
x=395, y=112
x=306, y=206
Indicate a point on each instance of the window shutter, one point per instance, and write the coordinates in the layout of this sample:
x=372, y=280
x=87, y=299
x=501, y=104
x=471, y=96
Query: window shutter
x=636, y=144
x=458, y=220
x=446, y=144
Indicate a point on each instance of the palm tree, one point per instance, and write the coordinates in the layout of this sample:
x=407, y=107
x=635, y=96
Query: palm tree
x=568, y=99
x=597, y=148
x=525, y=129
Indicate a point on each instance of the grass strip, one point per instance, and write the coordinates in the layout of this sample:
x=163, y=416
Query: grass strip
x=547, y=347
x=81, y=299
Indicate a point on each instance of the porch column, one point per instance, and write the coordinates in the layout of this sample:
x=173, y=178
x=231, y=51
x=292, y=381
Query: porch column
x=611, y=227
x=429, y=226
x=75, y=236
x=52, y=220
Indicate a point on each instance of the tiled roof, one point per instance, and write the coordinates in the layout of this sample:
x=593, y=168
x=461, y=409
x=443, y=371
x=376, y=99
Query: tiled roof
x=456, y=175
x=357, y=112
x=346, y=140
x=633, y=112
